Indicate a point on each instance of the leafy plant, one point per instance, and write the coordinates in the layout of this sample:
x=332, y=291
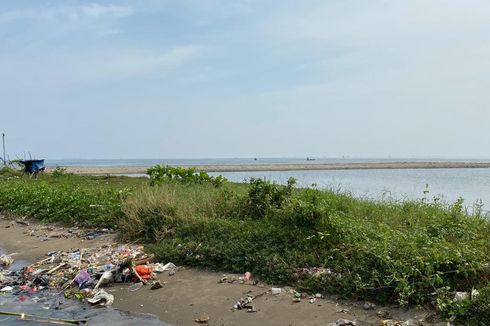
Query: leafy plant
x=264, y=196
x=164, y=173
x=58, y=172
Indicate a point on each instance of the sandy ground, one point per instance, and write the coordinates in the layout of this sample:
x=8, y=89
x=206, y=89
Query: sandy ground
x=285, y=167
x=191, y=293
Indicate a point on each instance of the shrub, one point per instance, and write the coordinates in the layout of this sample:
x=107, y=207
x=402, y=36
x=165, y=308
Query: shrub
x=58, y=172
x=264, y=196
x=164, y=173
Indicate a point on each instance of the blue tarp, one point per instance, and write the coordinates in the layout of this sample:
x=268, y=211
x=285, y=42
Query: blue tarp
x=33, y=166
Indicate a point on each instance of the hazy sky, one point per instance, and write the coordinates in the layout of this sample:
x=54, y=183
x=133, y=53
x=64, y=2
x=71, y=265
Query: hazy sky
x=245, y=78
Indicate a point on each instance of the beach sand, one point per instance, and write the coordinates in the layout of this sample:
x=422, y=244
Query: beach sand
x=191, y=293
x=127, y=170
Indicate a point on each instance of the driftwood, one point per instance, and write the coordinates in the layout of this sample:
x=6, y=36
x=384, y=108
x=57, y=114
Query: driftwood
x=24, y=316
x=52, y=270
x=138, y=276
x=40, y=262
x=144, y=261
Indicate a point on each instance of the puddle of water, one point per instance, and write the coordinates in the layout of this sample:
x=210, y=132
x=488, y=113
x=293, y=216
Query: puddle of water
x=52, y=305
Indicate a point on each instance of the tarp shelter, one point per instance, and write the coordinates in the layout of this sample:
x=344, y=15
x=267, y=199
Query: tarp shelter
x=33, y=166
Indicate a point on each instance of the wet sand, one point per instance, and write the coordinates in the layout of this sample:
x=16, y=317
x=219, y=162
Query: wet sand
x=85, y=170
x=191, y=293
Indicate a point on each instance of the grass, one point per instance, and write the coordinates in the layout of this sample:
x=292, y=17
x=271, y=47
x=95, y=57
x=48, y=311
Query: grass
x=405, y=252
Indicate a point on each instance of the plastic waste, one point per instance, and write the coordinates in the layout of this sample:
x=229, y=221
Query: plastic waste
x=460, y=296
x=159, y=268
x=343, y=322
x=204, y=319
x=143, y=271
x=7, y=289
x=276, y=291
x=135, y=287
x=6, y=260
x=156, y=285
x=247, y=276
x=102, y=298
x=82, y=277
x=106, y=277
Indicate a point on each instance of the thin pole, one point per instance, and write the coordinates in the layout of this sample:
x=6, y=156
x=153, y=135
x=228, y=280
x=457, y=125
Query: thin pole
x=3, y=142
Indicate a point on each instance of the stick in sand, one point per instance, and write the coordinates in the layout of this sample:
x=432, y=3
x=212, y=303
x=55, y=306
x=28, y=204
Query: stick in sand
x=137, y=275
x=52, y=270
x=25, y=316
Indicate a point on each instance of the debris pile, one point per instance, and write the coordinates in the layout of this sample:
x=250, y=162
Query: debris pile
x=81, y=274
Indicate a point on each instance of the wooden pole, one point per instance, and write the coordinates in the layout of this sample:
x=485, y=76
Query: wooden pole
x=4, y=157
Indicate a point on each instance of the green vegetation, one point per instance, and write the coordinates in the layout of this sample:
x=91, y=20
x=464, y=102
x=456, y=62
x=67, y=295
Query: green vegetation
x=409, y=252
x=164, y=173
x=64, y=198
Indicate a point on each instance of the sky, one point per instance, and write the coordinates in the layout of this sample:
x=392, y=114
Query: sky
x=245, y=78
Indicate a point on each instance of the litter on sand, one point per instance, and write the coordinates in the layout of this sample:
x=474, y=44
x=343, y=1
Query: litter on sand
x=81, y=274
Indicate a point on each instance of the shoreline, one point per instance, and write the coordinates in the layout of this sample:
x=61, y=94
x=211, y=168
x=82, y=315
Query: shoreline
x=102, y=170
x=192, y=292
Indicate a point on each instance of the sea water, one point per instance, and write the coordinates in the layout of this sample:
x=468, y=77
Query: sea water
x=473, y=185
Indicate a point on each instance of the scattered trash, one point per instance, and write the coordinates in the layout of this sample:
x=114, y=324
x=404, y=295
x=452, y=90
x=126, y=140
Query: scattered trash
x=343, y=311
x=23, y=222
x=410, y=322
x=243, y=303
x=246, y=303
x=156, y=285
x=474, y=294
x=143, y=271
x=343, y=322
x=80, y=274
x=460, y=296
x=252, y=309
x=276, y=291
x=82, y=277
x=159, y=268
x=368, y=306
x=247, y=276
x=102, y=297
x=106, y=277
x=6, y=261
x=204, y=319
x=383, y=314
x=135, y=287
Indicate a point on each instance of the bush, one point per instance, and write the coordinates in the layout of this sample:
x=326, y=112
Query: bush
x=58, y=172
x=264, y=196
x=159, y=174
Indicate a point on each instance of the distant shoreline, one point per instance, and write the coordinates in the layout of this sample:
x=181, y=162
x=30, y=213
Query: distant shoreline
x=93, y=170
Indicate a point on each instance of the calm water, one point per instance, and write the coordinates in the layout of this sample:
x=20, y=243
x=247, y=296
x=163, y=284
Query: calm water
x=236, y=161
x=471, y=184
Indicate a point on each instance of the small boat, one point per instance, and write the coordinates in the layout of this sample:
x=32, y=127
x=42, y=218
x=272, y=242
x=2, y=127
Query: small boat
x=310, y=159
